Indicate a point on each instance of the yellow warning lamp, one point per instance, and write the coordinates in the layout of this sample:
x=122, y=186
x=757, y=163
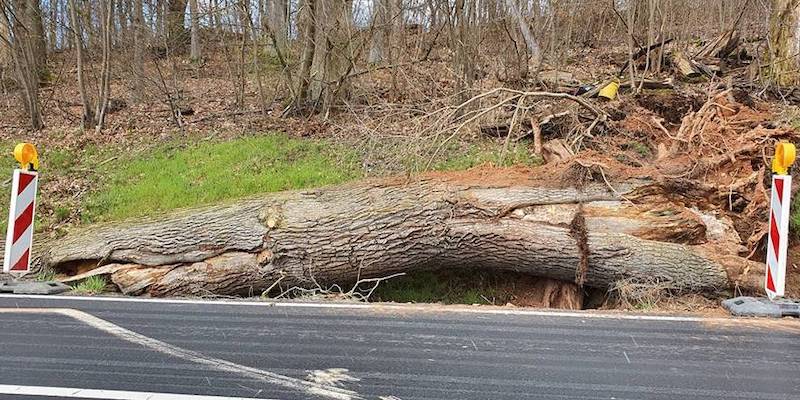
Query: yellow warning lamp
x=26, y=155
x=784, y=158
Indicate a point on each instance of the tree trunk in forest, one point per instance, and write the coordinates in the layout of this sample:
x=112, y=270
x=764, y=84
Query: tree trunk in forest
x=53, y=25
x=138, y=50
x=380, y=21
x=36, y=26
x=177, y=39
x=332, y=43
x=532, y=45
x=27, y=68
x=104, y=89
x=277, y=23
x=87, y=114
x=592, y=236
x=784, y=42
x=5, y=40
x=195, y=26
x=307, y=27
x=158, y=18
x=123, y=19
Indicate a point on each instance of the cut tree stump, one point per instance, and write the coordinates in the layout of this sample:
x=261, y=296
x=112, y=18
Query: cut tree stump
x=595, y=234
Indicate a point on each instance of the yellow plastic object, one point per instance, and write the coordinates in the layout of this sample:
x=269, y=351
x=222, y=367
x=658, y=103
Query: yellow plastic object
x=610, y=91
x=784, y=158
x=26, y=155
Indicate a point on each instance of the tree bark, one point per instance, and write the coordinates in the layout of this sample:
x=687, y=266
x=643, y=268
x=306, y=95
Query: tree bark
x=785, y=42
x=592, y=236
x=27, y=68
x=87, y=114
x=277, y=23
x=380, y=33
x=307, y=26
x=195, y=26
x=684, y=66
x=104, y=90
x=138, y=50
x=36, y=27
x=53, y=25
x=5, y=40
x=332, y=48
x=177, y=39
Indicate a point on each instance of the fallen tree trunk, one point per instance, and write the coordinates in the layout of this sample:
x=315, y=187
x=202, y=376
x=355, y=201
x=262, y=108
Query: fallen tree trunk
x=685, y=67
x=596, y=236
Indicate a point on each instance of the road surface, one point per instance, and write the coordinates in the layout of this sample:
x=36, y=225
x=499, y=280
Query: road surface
x=76, y=348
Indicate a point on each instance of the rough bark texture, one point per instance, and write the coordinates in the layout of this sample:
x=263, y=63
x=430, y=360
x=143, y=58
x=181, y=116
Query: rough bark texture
x=177, y=39
x=27, y=65
x=374, y=229
x=194, y=13
x=5, y=34
x=785, y=41
x=332, y=52
x=278, y=23
x=36, y=31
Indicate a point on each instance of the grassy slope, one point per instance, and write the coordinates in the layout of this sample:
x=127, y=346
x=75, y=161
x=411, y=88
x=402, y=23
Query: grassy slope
x=205, y=173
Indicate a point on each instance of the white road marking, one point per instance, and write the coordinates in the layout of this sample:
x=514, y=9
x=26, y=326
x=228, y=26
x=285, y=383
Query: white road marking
x=383, y=307
x=312, y=388
x=76, y=393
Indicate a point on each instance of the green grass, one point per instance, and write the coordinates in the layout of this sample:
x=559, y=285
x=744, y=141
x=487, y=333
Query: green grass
x=46, y=275
x=91, y=285
x=210, y=172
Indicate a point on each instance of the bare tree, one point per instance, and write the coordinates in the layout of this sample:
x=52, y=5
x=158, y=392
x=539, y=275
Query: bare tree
x=87, y=112
x=23, y=42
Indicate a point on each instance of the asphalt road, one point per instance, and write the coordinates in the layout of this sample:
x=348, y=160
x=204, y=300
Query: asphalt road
x=374, y=352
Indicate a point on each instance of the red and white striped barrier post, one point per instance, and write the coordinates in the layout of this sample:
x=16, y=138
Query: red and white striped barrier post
x=778, y=239
x=19, y=237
